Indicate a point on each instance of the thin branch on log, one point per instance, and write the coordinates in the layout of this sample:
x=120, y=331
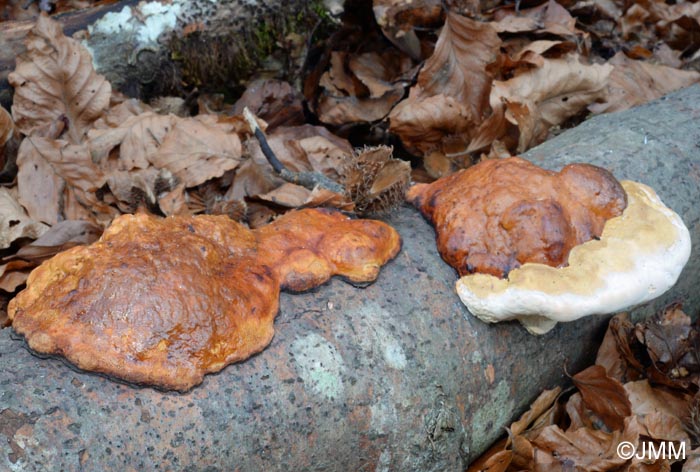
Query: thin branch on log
x=309, y=180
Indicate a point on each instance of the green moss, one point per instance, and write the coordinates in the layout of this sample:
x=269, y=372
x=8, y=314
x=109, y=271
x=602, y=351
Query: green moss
x=223, y=59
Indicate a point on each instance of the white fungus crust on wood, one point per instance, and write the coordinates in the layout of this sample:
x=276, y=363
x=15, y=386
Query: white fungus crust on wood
x=639, y=256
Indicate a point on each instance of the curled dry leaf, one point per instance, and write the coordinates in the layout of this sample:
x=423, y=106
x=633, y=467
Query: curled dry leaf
x=14, y=221
x=580, y=416
x=660, y=413
x=398, y=18
x=55, y=82
x=274, y=101
x=13, y=274
x=543, y=402
x=361, y=88
x=605, y=396
x=537, y=99
x=671, y=343
x=584, y=448
x=52, y=174
x=452, y=92
x=614, y=352
x=635, y=82
x=550, y=17
x=7, y=129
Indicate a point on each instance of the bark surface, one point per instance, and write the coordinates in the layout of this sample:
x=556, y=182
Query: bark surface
x=219, y=43
x=395, y=376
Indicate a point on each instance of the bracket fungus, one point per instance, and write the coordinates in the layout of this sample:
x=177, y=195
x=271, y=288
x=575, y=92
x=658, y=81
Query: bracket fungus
x=163, y=302
x=541, y=247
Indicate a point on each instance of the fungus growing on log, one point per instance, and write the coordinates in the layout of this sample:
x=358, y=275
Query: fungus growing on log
x=165, y=301
x=542, y=247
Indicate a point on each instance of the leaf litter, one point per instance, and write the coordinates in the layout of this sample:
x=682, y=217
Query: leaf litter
x=643, y=388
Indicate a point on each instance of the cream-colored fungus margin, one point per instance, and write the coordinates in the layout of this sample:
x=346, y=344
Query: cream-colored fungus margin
x=639, y=257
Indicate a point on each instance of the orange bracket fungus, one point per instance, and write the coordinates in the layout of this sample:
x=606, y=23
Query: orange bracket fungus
x=165, y=301
x=541, y=247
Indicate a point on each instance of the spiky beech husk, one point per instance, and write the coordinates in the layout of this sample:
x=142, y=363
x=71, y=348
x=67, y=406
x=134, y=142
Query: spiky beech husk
x=375, y=181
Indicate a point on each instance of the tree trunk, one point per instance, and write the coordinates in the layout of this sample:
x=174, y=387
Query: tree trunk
x=148, y=48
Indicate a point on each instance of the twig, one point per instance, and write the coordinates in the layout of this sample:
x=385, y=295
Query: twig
x=309, y=180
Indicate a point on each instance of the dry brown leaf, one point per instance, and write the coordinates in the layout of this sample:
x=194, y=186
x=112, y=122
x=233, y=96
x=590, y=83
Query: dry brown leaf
x=537, y=99
x=580, y=416
x=423, y=124
x=50, y=171
x=14, y=221
x=537, y=408
x=459, y=65
x=549, y=18
x=338, y=111
x=398, y=18
x=7, y=129
x=61, y=236
x=120, y=111
x=287, y=195
x=583, y=449
x=605, y=396
x=452, y=93
x=55, y=81
x=641, y=465
x=523, y=453
x=135, y=140
x=300, y=149
x=611, y=355
x=274, y=101
x=477, y=465
x=659, y=413
x=197, y=149
x=635, y=82
x=498, y=462
x=361, y=88
x=13, y=274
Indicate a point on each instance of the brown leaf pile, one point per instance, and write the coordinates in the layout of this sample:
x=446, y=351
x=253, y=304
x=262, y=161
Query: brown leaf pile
x=493, y=81
x=643, y=388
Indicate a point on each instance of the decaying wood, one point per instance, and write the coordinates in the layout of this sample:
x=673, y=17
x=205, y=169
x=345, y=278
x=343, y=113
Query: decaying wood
x=147, y=48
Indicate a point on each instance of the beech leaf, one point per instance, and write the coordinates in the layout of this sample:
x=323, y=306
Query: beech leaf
x=49, y=172
x=457, y=71
x=14, y=221
x=55, y=80
x=605, y=396
x=635, y=82
x=535, y=100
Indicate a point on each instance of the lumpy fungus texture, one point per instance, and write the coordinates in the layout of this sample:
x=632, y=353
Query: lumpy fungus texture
x=499, y=214
x=164, y=301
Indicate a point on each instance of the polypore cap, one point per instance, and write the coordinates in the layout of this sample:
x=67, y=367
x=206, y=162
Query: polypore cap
x=638, y=257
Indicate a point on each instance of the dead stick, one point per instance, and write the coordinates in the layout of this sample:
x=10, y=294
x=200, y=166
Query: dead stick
x=309, y=180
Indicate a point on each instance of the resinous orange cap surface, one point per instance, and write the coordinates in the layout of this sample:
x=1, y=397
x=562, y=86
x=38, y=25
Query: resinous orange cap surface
x=499, y=214
x=165, y=301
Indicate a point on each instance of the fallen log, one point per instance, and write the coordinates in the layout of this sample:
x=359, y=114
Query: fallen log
x=149, y=48
x=395, y=376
